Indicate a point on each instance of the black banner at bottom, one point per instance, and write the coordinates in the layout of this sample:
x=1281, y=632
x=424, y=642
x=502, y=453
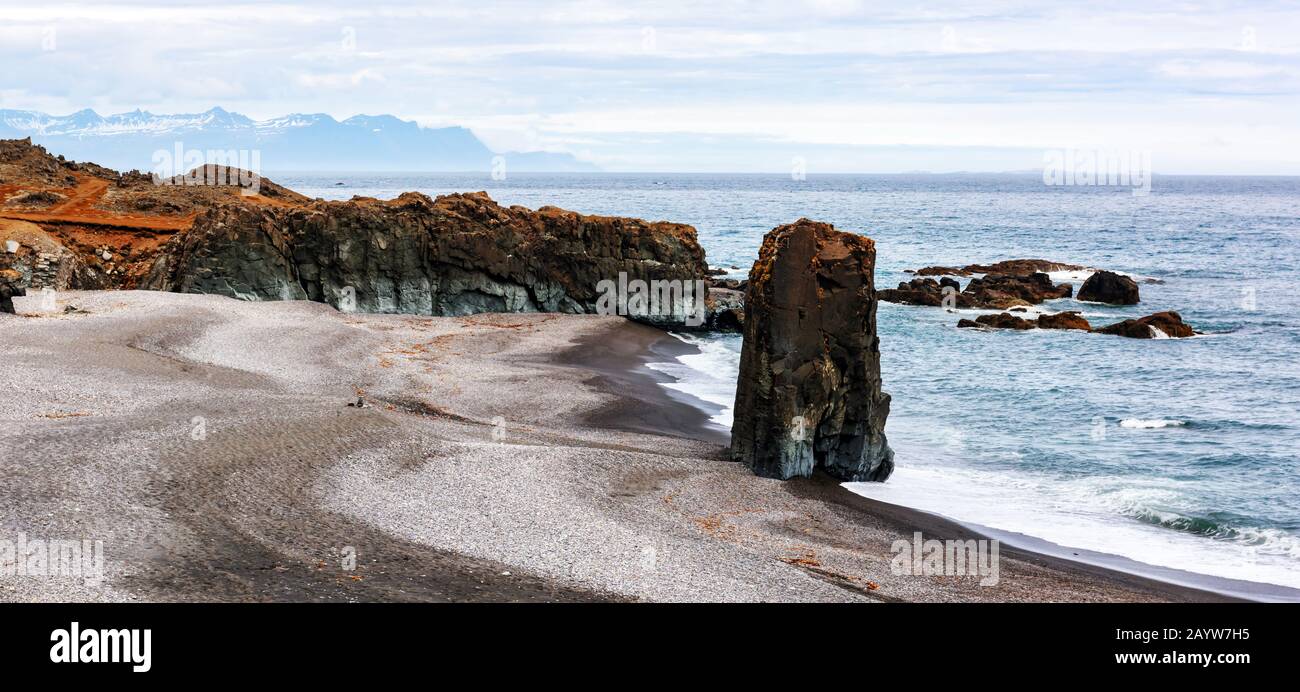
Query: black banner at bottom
x=332, y=642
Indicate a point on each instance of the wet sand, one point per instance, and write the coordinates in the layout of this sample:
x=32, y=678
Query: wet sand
x=209, y=444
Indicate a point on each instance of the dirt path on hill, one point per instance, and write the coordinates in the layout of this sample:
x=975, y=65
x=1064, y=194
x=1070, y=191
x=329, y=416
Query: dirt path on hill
x=79, y=209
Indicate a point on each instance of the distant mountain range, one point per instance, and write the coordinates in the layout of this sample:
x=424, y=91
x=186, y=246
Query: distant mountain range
x=296, y=142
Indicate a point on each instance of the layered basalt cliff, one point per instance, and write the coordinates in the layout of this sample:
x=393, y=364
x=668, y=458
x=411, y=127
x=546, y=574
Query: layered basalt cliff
x=809, y=393
x=229, y=232
x=455, y=255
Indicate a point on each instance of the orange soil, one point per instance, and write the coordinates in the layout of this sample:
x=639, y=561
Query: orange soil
x=83, y=228
x=79, y=209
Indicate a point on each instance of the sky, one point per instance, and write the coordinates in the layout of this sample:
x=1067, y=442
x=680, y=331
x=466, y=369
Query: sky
x=832, y=85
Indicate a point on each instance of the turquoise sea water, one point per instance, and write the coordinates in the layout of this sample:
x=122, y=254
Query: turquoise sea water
x=1179, y=453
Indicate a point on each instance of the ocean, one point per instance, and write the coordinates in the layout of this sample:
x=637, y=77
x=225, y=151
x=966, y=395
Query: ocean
x=1178, y=453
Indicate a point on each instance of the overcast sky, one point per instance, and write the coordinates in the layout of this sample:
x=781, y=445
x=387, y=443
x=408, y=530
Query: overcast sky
x=1207, y=87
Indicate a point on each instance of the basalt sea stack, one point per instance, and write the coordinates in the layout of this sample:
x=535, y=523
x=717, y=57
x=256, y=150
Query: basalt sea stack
x=809, y=391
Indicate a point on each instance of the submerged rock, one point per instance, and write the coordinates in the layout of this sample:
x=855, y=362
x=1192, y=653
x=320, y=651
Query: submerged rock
x=1003, y=320
x=1017, y=267
x=1109, y=287
x=1161, y=324
x=809, y=393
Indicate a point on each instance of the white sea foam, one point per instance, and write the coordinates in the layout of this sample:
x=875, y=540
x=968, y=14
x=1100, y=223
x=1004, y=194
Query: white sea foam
x=1142, y=423
x=709, y=375
x=1075, y=276
x=1100, y=514
x=1029, y=312
x=1078, y=276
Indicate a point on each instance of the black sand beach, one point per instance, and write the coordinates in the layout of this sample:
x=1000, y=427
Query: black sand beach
x=520, y=457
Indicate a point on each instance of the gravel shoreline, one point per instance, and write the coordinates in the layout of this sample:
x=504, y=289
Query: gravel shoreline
x=209, y=444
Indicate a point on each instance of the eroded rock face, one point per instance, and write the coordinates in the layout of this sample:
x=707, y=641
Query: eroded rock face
x=809, y=393
x=1109, y=287
x=43, y=261
x=11, y=284
x=725, y=310
x=457, y=255
x=220, y=230
x=1167, y=323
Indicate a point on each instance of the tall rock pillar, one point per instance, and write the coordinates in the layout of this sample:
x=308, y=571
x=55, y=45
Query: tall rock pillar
x=809, y=390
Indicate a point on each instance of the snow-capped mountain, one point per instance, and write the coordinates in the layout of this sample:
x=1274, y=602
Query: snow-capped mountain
x=295, y=142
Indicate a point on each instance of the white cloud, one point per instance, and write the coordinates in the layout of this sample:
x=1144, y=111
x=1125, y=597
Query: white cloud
x=581, y=75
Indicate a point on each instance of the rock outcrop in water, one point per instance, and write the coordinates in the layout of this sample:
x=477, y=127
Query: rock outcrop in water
x=928, y=292
x=1109, y=287
x=1017, y=267
x=1167, y=324
x=1064, y=320
x=1009, y=290
x=1005, y=320
x=809, y=393
x=1161, y=324
x=455, y=255
x=992, y=291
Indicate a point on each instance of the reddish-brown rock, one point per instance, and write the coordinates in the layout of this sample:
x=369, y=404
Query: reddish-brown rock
x=993, y=291
x=809, y=393
x=927, y=292
x=1064, y=320
x=1018, y=267
x=1007, y=290
x=1109, y=287
x=1168, y=323
x=1004, y=320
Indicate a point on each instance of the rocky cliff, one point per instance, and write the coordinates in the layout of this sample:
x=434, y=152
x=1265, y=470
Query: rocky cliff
x=220, y=230
x=455, y=255
x=215, y=229
x=809, y=392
